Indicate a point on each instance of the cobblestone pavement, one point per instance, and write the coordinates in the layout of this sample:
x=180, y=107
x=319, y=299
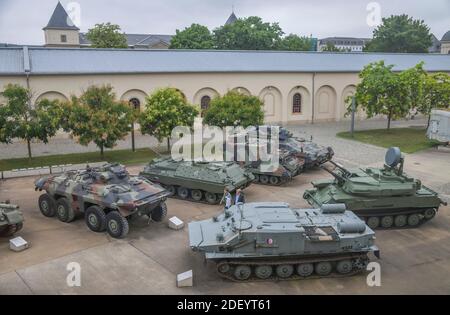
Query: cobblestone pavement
x=348, y=152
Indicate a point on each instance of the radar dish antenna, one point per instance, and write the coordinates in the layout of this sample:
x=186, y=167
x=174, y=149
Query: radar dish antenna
x=393, y=157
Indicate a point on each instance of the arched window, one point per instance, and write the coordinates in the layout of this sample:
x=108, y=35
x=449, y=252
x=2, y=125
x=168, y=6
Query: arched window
x=135, y=103
x=297, y=103
x=204, y=102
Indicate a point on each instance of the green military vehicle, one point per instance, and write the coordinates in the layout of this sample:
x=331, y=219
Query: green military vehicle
x=197, y=181
x=385, y=197
x=107, y=195
x=11, y=219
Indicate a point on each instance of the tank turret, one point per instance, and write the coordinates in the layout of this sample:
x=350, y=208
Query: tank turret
x=11, y=219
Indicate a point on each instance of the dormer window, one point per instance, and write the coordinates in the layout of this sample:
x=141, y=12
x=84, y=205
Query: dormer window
x=63, y=38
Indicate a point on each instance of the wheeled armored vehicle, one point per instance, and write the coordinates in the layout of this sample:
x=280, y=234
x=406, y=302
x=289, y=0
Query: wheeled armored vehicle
x=107, y=195
x=11, y=219
x=384, y=197
x=271, y=241
x=197, y=181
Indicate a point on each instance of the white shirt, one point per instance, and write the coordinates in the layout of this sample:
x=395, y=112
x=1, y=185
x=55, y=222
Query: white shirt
x=228, y=200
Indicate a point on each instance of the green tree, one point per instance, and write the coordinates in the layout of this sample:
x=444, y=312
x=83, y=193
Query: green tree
x=106, y=35
x=248, y=34
x=401, y=34
x=381, y=91
x=195, y=36
x=413, y=80
x=18, y=119
x=330, y=47
x=235, y=109
x=166, y=109
x=295, y=43
x=436, y=93
x=96, y=116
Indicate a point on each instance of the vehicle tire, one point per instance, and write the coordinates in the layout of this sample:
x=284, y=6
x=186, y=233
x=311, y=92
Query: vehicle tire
x=429, y=213
x=387, y=222
x=284, y=271
x=171, y=189
x=196, y=194
x=211, y=198
x=413, y=220
x=47, y=205
x=116, y=225
x=263, y=272
x=274, y=180
x=400, y=221
x=344, y=267
x=95, y=219
x=256, y=180
x=264, y=179
x=305, y=270
x=64, y=211
x=373, y=222
x=323, y=268
x=224, y=268
x=183, y=192
x=242, y=272
x=159, y=213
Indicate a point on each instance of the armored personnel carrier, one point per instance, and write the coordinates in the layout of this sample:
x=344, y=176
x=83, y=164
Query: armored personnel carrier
x=11, y=219
x=384, y=197
x=197, y=181
x=107, y=195
x=271, y=241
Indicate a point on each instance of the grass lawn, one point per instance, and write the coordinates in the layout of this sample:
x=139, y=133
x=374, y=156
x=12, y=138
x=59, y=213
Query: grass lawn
x=409, y=140
x=123, y=156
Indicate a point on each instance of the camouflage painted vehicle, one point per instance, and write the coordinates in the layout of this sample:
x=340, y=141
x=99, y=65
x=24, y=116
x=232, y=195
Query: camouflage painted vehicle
x=384, y=197
x=197, y=181
x=11, y=219
x=107, y=195
x=271, y=241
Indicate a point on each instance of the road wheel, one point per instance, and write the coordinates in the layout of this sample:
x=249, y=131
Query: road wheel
x=429, y=214
x=387, y=221
x=242, y=272
x=183, y=192
x=171, y=189
x=305, y=270
x=64, y=211
x=196, y=194
x=159, y=213
x=263, y=272
x=284, y=271
x=323, y=268
x=211, y=198
x=116, y=225
x=224, y=268
x=413, y=220
x=95, y=219
x=274, y=180
x=400, y=220
x=264, y=179
x=373, y=222
x=47, y=205
x=256, y=178
x=10, y=229
x=344, y=266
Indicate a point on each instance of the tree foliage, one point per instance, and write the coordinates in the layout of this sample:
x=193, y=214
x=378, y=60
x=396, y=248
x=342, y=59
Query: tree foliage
x=195, y=36
x=106, y=35
x=436, y=93
x=295, y=43
x=166, y=109
x=19, y=119
x=96, y=116
x=401, y=34
x=235, y=109
x=248, y=34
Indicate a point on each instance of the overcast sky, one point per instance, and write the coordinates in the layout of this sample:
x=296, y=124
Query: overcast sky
x=21, y=21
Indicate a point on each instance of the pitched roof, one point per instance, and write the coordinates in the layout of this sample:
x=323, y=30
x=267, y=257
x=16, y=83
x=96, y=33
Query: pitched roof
x=119, y=61
x=345, y=40
x=446, y=37
x=136, y=39
x=60, y=19
x=231, y=19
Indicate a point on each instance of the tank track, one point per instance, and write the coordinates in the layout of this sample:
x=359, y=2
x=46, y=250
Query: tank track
x=11, y=229
x=282, y=180
x=189, y=198
x=359, y=263
x=394, y=222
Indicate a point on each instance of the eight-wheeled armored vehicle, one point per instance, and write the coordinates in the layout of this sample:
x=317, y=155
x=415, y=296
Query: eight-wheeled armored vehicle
x=107, y=195
x=385, y=197
x=197, y=181
x=262, y=241
x=11, y=219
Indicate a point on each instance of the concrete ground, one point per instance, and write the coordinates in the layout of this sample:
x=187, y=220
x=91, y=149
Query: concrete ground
x=149, y=258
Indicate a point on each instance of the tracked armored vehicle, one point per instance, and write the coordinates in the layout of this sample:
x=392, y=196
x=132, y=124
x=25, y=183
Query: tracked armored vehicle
x=11, y=219
x=271, y=241
x=197, y=181
x=107, y=195
x=384, y=197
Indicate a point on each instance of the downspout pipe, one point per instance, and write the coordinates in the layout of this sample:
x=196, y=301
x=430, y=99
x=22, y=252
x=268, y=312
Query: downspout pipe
x=313, y=98
x=27, y=69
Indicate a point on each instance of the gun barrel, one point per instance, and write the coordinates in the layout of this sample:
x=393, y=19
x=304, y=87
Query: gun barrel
x=337, y=176
x=339, y=166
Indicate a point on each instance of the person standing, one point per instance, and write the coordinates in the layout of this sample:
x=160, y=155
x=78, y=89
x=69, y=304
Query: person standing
x=240, y=197
x=227, y=198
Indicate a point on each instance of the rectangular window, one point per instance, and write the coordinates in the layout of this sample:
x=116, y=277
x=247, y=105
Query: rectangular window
x=63, y=38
